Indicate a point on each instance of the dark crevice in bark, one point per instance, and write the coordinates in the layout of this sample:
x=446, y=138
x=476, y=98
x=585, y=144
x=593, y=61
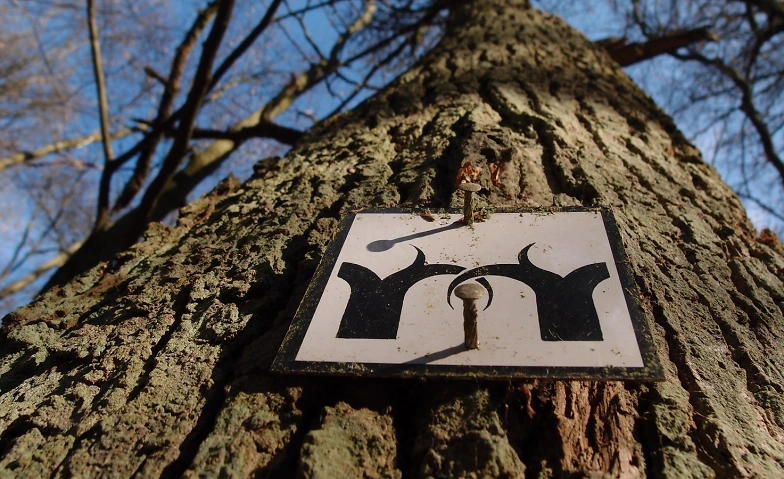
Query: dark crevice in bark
x=553, y=87
x=62, y=469
x=656, y=166
x=586, y=122
x=396, y=165
x=351, y=181
x=633, y=120
x=523, y=430
x=403, y=165
x=453, y=157
x=138, y=469
x=224, y=371
x=526, y=123
x=747, y=285
x=315, y=397
x=406, y=408
x=758, y=381
x=286, y=462
x=106, y=387
x=215, y=397
x=152, y=360
x=15, y=429
x=700, y=409
x=755, y=380
x=24, y=368
x=558, y=178
x=533, y=100
x=752, y=319
x=331, y=211
x=767, y=255
x=534, y=437
x=686, y=234
x=747, y=306
x=120, y=312
x=23, y=424
x=214, y=400
x=591, y=435
x=358, y=393
x=645, y=429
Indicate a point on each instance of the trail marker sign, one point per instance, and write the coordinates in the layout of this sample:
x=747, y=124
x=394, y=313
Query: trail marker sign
x=560, y=302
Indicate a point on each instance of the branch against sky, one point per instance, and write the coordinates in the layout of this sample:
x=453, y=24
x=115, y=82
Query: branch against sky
x=102, y=215
x=167, y=139
x=724, y=90
x=295, y=63
x=171, y=89
x=733, y=99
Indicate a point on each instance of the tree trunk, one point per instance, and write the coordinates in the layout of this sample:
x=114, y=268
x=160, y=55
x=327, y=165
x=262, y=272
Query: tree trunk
x=156, y=364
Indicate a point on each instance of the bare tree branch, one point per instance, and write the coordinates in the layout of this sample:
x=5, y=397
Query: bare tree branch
x=365, y=81
x=142, y=166
x=173, y=193
x=308, y=8
x=746, y=105
x=773, y=8
x=630, y=53
x=199, y=88
x=12, y=262
x=171, y=90
x=306, y=33
x=285, y=135
x=60, y=146
x=244, y=44
x=762, y=205
x=102, y=216
x=150, y=72
x=55, y=262
x=318, y=71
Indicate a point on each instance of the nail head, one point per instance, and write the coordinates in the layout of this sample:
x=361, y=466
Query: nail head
x=472, y=187
x=470, y=291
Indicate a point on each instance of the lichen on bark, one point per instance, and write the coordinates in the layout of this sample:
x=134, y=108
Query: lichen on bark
x=157, y=363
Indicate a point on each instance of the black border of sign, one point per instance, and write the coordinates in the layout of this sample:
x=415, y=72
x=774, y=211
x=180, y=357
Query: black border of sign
x=285, y=361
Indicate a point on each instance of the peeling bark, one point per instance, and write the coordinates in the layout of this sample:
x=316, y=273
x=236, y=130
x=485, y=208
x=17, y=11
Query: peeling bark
x=156, y=364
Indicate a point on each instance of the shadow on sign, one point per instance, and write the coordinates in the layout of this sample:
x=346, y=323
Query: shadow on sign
x=384, y=245
x=429, y=358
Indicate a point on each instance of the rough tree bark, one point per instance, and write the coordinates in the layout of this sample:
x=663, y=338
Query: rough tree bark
x=156, y=364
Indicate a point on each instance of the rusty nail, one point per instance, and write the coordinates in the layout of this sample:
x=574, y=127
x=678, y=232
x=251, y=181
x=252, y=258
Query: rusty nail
x=469, y=293
x=468, y=190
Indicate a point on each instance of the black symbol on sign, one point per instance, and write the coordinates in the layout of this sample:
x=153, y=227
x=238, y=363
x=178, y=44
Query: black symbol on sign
x=564, y=304
x=375, y=304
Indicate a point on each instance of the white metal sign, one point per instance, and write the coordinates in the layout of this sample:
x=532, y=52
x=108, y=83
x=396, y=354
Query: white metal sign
x=555, y=299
